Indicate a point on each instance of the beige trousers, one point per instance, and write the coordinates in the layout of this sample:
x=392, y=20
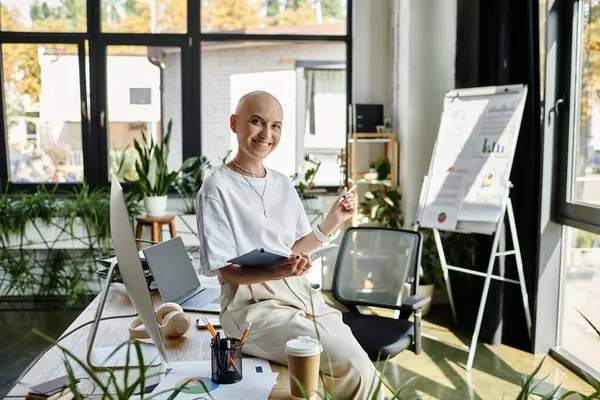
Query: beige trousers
x=282, y=310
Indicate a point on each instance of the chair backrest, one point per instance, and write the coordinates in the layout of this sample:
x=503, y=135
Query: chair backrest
x=377, y=266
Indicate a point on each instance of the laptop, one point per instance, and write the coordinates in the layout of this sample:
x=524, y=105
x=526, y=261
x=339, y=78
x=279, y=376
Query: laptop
x=176, y=277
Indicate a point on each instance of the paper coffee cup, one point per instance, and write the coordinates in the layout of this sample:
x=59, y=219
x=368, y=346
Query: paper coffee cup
x=304, y=360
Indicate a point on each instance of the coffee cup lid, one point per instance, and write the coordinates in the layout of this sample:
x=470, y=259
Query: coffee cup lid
x=303, y=346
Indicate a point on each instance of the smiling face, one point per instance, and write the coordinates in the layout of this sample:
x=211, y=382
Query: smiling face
x=257, y=125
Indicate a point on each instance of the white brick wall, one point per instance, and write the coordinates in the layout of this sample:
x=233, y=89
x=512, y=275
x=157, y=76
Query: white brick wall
x=219, y=64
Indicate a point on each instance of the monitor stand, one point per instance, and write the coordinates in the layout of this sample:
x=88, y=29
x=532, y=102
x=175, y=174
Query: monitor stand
x=115, y=357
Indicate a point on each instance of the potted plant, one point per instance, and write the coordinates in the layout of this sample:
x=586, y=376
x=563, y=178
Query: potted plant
x=154, y=178
x=382, y=207
x=305, y=183
x=383, y=168
x=190, y=180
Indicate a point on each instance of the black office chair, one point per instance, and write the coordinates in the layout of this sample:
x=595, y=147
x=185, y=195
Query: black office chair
x=379, y=267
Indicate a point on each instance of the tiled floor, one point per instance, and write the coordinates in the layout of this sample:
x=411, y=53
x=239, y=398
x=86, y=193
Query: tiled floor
x=438, y=372
x=581, y=294
x=19, y=346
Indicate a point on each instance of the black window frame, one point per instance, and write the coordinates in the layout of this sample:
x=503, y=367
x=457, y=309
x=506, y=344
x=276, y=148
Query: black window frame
x=564, y=213
x=94, y=135
x=567, y=212
x=78, y=39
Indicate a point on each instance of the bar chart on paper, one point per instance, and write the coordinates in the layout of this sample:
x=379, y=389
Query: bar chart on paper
x=470, y=167
x=490, y=146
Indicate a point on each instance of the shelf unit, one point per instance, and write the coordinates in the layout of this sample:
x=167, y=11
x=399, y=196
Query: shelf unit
x=390, y=143
x=357, y=141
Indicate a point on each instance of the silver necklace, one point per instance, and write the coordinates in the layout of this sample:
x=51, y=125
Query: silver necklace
x=261, y=196
x=244, y=169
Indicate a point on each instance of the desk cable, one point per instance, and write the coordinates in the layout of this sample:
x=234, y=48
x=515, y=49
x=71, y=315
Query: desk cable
x=39, y=356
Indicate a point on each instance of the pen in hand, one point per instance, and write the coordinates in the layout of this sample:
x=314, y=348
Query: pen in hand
x=352, y=189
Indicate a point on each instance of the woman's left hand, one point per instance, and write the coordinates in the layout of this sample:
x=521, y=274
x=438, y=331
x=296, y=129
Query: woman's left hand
x=342, y=211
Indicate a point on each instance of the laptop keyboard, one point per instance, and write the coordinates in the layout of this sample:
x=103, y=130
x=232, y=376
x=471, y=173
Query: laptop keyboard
x=206, y=296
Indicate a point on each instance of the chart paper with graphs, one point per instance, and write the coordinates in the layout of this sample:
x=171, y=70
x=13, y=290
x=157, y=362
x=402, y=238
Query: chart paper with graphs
x=466, y=187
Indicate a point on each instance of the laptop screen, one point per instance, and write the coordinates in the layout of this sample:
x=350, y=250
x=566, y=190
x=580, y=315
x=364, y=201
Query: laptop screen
x=172, y=269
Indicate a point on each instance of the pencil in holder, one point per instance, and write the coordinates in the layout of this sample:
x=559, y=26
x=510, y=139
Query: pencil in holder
x=226, y=360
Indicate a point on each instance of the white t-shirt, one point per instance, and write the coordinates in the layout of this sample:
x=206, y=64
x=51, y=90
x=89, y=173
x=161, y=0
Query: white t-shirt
x=231, y=221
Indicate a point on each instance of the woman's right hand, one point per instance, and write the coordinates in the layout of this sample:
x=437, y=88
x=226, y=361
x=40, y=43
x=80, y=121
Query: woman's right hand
x=294, y=265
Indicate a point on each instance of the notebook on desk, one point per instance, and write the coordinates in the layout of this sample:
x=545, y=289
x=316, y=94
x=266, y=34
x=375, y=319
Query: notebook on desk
x=177, y=280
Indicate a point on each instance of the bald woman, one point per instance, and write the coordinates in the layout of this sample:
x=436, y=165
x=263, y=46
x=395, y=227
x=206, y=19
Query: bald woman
x=243, y=206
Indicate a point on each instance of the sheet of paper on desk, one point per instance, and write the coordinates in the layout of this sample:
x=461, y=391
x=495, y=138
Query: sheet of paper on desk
x=257, y=383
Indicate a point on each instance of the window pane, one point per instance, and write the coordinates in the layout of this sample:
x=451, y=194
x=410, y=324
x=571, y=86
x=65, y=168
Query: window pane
x=43, y=15
x=43, y=112
x=542, y=27
x=302, y=17
x=144, y=16
x=309, y=80
x=581, y=292
x=143, y=94
x=585, y=159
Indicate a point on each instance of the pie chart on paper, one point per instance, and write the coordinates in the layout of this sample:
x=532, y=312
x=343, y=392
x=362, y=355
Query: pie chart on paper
x=442, y=217
x=194, y=385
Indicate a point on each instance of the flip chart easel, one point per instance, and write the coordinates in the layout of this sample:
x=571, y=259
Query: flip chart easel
x=467, y=189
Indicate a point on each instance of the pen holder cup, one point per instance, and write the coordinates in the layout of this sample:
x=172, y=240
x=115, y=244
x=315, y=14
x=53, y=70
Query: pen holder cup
x=226, y=362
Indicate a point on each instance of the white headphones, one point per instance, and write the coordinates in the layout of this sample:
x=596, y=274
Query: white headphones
x=171, y=319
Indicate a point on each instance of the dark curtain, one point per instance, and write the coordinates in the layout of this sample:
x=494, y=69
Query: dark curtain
x=508, y=53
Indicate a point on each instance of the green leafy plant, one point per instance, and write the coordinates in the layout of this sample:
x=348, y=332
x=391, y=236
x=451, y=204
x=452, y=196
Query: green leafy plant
x=307, y=180
x=7, y=216
x=529, y=384
x=41, y=205
x=110, y=388
x=383, y=208
x=49, y=271
x=154, y=177
x=190, y=180
x=91, y=207
x=122, y=163
x=383, y=167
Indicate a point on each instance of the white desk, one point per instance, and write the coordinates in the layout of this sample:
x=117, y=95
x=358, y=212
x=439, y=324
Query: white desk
x=193, y=346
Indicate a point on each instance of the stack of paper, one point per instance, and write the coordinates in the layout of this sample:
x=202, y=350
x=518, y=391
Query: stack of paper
x=257, y=382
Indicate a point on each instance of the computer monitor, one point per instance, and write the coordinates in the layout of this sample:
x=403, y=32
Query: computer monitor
x=130, y=267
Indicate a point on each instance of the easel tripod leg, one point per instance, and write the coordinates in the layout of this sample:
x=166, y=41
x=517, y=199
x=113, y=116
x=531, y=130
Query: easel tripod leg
x=519, y=260
x=440, y=249
x=484, y=294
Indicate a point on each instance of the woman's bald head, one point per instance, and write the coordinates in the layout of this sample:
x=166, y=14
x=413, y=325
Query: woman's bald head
x=257, y=124
x=257, y=96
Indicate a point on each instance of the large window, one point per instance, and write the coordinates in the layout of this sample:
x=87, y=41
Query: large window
x=573, y=84
x=83, y=79
x=144, y=16
x=578, y=113
x=585, y=140
x=43, y=112
x=43, y=15
x=143, y=89
x=274, y=17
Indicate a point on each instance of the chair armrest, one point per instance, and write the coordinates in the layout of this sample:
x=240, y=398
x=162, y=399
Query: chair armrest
x=414, y=302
